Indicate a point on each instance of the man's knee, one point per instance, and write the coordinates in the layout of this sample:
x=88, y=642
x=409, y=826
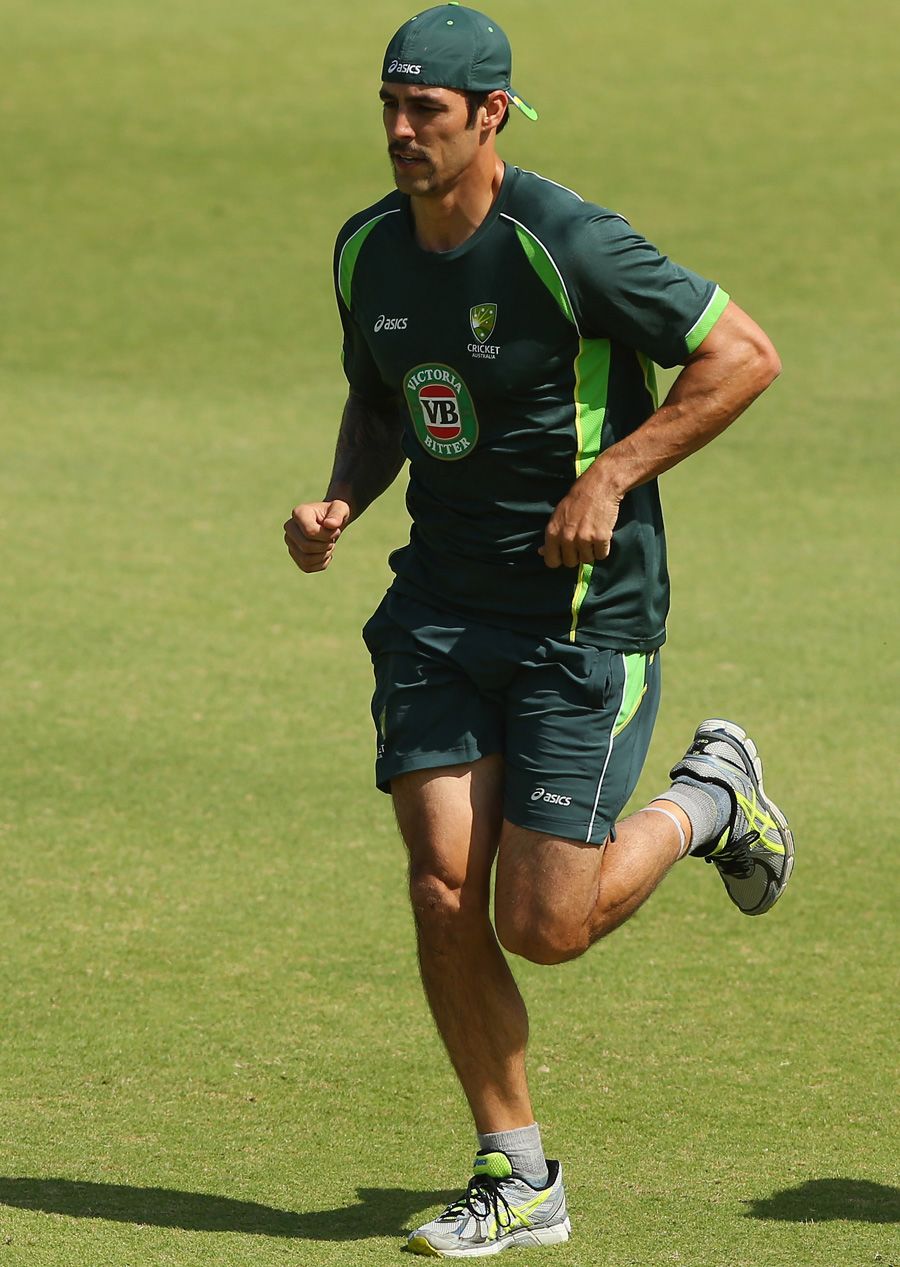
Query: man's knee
x=433, y=896
x=539, y=936
x=443, y=904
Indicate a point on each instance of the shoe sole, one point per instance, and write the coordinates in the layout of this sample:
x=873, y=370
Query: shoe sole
x=524, y=1237
x=730, y=728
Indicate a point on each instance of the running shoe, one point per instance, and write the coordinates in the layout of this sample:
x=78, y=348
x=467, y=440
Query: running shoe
x=754, y=855
x=497, y=1212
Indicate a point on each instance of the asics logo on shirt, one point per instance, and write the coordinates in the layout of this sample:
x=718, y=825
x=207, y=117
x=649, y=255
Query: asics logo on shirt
x=390, y=323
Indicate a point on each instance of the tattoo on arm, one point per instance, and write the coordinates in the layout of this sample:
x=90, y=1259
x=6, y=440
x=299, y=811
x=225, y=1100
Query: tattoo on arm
x=368, y=456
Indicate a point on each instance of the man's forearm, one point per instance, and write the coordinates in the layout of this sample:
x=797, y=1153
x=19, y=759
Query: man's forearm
x=368, y=455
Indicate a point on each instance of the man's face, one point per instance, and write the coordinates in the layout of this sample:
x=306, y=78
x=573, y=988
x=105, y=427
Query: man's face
x=429, y=142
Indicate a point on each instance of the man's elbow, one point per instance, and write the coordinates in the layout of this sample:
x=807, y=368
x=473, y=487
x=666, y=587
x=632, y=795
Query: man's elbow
x=772, y=363
x=763, y=360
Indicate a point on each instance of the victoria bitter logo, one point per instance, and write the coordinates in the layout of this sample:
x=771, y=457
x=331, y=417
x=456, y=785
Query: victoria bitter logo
x=442, y=411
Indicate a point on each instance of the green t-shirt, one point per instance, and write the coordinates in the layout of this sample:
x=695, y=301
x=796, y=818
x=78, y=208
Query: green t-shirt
x=520, y=355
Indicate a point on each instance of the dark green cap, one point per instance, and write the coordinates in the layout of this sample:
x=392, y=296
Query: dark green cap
x=452, y=47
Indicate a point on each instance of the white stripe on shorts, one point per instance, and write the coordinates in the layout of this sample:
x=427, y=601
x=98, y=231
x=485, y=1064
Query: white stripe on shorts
x=612, y=728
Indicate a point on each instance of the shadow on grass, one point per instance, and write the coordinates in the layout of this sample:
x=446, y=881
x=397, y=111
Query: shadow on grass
x=820, y=1200
x=378, y=1211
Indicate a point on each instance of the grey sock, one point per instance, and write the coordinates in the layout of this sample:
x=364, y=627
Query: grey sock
x=524, y=1149
x=707, y=805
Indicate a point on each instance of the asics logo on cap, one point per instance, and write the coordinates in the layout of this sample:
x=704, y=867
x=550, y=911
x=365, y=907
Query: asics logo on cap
x=404, y=68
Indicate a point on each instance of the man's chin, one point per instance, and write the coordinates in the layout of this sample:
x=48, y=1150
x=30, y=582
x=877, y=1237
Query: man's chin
x=415, y=180
x=412, y=185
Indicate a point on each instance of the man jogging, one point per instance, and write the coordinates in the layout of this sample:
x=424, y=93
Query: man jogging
x=500, y=333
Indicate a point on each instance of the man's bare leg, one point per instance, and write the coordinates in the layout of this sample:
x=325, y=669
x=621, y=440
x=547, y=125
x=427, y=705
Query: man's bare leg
x=450, y=819
x=647, y=846
x=556, y=897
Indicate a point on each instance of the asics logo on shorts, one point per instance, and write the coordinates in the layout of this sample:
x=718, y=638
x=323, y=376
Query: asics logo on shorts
x=552, y=798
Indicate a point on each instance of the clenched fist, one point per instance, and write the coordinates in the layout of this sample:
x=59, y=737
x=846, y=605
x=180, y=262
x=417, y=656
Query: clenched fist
x=312, y=532
x=581, y=528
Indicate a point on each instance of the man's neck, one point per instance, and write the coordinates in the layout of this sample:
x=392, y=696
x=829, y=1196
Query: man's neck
x=446, y=221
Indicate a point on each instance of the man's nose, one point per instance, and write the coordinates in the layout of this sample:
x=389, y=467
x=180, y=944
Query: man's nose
x=399, y=127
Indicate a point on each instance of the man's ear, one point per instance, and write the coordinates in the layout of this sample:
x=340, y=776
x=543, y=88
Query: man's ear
x=495, y=107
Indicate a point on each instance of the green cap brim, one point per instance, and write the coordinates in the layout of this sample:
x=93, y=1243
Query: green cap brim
x=528, y=111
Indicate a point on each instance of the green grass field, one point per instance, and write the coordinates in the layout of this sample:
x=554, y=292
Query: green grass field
x=214, y=1046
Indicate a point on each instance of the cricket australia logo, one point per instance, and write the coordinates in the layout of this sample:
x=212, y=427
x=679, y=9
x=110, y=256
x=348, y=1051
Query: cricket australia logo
x=482, y=319
x=442, y=411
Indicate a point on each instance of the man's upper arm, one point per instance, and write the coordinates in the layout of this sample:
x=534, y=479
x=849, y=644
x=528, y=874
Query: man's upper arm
x=735, y=336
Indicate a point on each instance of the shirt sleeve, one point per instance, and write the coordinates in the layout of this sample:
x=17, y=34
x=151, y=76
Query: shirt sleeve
x=624, y=289
x=360, y=369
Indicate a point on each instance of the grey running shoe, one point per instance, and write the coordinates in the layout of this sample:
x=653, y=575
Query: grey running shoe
x=755, y=853
x=497, y=1212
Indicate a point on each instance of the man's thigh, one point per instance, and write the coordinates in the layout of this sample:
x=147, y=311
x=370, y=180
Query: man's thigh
x=547, y=887
x=450, y=820
x=578, y=726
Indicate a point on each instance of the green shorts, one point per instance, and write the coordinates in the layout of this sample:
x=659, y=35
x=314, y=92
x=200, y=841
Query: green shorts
x=573, y=723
